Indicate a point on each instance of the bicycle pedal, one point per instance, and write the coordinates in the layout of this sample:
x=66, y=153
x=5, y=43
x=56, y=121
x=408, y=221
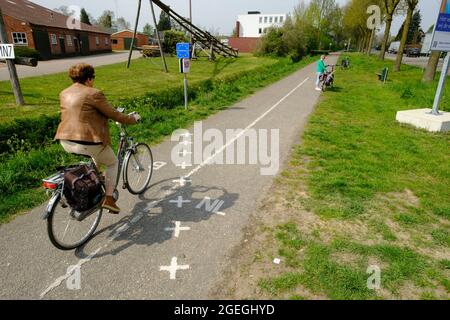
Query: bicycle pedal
x=124, y=187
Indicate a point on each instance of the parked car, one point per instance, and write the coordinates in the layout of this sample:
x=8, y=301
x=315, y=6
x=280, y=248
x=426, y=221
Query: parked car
x=413, y=52
x=393, y=48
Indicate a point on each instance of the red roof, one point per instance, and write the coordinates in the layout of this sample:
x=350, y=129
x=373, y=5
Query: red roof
x=38, y=15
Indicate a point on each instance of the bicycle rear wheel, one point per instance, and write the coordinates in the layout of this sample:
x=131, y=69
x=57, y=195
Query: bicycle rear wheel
x=65, y=231
x=138, y=168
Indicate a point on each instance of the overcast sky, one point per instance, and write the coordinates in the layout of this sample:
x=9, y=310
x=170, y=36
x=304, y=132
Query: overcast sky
x=218, y=15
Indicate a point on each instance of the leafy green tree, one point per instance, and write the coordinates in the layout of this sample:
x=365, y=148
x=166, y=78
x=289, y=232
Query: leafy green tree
x=164, y=22
x=148, y=30
x=171, y=38
x=273, y=44
x=84, y=17
x=105, y=21
x=414, y=29
x=122, y=24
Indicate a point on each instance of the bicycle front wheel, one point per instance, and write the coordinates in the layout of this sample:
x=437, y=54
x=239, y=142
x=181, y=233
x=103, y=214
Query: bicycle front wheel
x=65, y=231
x=138, y=168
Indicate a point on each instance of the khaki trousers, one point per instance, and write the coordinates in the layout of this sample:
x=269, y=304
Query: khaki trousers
x=102, y=155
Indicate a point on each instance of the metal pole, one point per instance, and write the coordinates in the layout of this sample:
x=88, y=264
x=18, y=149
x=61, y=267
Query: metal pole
x=11, y=66
x=135, y=33
x=158, y=38
x=440, y=88
x=185, y=92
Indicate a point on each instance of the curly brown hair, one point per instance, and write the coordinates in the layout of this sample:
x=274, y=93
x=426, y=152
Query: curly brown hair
x=81, y=72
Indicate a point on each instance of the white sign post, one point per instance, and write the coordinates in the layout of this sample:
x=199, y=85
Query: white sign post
x=185, y=68
x=6, y=51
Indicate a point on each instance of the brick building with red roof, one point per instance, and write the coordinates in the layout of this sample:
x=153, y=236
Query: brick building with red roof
x=49, y=32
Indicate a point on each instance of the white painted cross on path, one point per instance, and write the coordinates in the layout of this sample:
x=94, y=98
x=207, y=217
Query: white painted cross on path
x=182, y=181
x=180, y=201
x=173, y=268
x=184, y=165
x=177, y=229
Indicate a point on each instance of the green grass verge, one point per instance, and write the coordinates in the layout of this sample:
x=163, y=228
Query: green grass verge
x=358, y=150
x=22, y=172
x=119, y=83
x=379, y=193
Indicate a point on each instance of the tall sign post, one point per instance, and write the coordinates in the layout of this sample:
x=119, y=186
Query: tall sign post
x=441, y=42
x=183, y=53
x=7, y=52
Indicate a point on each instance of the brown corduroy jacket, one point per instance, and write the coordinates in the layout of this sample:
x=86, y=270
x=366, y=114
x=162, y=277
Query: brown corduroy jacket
x=85, y=113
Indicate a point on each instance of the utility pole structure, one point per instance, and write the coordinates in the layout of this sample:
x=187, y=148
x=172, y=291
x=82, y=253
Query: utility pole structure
x=11, y=66
x=190, y=19
x=134, y=34
x=158, y=38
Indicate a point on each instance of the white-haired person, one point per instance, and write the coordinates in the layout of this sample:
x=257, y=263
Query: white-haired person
x=321, y=68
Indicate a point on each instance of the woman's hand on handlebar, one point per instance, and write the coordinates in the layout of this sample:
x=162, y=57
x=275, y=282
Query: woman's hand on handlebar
x=137, y=117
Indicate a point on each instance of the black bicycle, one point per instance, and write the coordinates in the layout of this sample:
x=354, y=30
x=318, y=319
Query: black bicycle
x=327, y=79
x=69, y=229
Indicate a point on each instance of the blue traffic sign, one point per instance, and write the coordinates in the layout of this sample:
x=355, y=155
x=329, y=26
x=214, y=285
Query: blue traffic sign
x=183, y=50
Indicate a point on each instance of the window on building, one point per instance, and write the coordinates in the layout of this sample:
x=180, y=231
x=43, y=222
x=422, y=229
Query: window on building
x=281, y=19
x=97, y=41
x=276, y=19
x=69, y=40
x=265, y=19
x=260, y=30
x=270, y=20
x=20, y=38
x=106, y=41
x=265, y=30
x=114, y=41
x=53, y=39
x=260, y=19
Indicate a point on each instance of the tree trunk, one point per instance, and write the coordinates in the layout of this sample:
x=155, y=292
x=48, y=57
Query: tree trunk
x=430, y=71
x=387, y=32
x=367, y=42
x=398, y=62
x=361, y=43
x=369, y=47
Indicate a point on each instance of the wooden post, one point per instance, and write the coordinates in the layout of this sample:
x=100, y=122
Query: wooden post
x=158, y=38
x=134, y=34
x=211, y=52
x=11, y=66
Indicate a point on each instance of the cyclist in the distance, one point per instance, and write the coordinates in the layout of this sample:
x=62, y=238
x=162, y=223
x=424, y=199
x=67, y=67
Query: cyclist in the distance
x=84, y=126
x=321, y=69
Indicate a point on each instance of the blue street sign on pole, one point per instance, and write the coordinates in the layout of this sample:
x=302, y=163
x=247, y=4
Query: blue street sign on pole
x=183, y=50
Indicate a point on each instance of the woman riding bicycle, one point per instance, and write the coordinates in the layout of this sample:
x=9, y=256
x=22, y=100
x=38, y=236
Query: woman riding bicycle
x=84, y=126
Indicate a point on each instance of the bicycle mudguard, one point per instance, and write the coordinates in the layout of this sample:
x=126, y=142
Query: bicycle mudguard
x=50, y=205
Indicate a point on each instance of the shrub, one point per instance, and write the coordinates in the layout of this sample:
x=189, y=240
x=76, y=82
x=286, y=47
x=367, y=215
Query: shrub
x=273, y=44
x=171, y=38
x=26, y=52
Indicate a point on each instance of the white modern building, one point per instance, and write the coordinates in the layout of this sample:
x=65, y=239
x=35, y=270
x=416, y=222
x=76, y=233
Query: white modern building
x=254, y=24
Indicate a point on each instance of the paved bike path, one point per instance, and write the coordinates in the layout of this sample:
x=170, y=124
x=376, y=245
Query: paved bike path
x=125, y=257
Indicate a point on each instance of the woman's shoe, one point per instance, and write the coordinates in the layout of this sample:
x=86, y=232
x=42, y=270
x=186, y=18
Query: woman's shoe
x=110, y=204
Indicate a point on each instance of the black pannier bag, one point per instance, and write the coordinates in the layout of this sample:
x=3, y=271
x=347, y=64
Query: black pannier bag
x=82, y=188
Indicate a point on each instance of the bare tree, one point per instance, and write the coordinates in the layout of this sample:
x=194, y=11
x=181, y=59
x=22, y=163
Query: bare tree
x=390, y=6
x=411, y=4
x=430, y=71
